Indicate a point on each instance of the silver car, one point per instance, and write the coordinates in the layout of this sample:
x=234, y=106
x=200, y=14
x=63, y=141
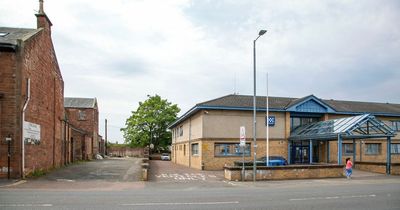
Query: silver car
x=165, y=156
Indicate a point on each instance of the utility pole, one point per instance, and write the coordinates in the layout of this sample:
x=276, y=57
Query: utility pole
x=105, y=144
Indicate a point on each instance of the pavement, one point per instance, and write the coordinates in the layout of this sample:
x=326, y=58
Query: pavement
x=10, y=182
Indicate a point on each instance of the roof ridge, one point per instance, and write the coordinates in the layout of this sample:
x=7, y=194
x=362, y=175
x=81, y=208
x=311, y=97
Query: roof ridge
x=204, y=102
x=372, y=102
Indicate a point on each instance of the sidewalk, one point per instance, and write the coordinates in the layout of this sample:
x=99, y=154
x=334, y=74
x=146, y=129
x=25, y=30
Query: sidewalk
x=10, y=182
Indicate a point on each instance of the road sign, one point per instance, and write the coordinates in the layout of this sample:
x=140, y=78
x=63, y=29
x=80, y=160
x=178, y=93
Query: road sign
x=242, y=136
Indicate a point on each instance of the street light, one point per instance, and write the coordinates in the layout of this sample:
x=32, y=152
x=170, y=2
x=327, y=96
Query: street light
x=262, y=32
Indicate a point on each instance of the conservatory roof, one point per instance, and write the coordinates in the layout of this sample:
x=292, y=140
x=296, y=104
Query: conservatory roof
x=357, y=127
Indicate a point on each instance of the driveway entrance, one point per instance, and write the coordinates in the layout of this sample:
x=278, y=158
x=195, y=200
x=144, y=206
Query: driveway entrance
x=110, y=169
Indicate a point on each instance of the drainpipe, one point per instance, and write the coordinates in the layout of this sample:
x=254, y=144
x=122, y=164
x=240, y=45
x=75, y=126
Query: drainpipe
x=54, y=122
x=23, y=122
x=190, y=146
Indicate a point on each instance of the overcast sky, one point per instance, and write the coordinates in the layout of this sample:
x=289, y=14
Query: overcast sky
x=190, y=51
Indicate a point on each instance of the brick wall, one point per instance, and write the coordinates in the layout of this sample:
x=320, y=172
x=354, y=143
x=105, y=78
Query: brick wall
x=9, y=117
x=89, y=124
x=125, y=151
x=284, y=172
x=46, y=104
x=381, y=157
x=34, y=59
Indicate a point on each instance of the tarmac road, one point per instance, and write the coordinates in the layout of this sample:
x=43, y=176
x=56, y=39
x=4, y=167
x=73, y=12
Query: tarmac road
x=193, y=189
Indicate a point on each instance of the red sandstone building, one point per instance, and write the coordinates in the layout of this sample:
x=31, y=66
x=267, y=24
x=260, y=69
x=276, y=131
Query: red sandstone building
x=36, y=132
x=83, y=118
x=31, y=100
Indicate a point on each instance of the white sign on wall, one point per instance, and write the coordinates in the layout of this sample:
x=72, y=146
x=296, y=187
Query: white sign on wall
x=242, y=136
x=31, y=133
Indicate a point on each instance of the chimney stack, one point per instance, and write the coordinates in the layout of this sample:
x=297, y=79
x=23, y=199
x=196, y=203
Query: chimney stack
x=42, y=20
x=41, y=11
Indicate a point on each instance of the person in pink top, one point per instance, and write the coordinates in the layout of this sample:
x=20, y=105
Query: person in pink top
x=349, y=168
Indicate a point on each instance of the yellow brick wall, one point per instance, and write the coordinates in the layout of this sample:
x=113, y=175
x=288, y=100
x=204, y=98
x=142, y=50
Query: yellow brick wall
x=226, y=124
x=276, y=147
x=364, y=158
x=285, y=173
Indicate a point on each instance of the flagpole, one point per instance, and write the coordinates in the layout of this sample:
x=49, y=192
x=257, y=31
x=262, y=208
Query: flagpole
x=267, y=135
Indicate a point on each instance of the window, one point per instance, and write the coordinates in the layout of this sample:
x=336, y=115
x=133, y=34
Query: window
x=347, y=149
x=396, y=125
x=81, y=115
x=195, y=149
x=230, y=149
x=395, y=148
x=372, y=149
x=184, y=150
x=296, y=122
x=181, y=130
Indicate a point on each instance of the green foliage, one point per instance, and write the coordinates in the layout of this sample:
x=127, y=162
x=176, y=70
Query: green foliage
x=37, y=173
x=149, y=123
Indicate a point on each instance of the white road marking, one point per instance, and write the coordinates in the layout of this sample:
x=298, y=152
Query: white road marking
x=231, y=183
x=26, y=205
x=175, y=204
x=183, y=177
x=65, y=180
x=332, y=197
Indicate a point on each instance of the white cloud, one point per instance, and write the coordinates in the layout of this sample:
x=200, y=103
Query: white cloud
x=189, y=51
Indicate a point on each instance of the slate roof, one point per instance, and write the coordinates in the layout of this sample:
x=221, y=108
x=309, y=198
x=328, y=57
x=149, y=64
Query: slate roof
x=86, y=103
x=13, y=34
x=281, y=103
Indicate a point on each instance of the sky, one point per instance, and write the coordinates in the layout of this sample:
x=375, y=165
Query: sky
x=190, y=51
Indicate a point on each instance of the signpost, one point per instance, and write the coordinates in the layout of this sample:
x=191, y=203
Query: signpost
x=243, y=146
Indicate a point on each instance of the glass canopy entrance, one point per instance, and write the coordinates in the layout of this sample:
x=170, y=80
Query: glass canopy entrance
x=355, y=128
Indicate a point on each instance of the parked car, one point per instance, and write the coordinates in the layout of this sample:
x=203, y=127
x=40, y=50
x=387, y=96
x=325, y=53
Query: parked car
x=165, y=156
x=262, y=161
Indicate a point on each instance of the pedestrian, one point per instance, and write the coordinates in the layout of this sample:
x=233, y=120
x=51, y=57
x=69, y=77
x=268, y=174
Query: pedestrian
x=349, y=168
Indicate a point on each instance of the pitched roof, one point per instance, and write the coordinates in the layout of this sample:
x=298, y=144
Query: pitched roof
x=11, y=35
x=245, y=102
x=90, y=103
x=281, y=103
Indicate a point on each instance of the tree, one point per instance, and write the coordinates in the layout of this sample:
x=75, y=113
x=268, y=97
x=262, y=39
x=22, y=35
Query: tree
x=149, y=123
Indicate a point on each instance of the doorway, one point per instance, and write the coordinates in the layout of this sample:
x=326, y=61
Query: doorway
x=300, y=152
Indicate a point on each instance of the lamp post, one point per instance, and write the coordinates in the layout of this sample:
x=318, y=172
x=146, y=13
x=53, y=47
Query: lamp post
x=262, y=32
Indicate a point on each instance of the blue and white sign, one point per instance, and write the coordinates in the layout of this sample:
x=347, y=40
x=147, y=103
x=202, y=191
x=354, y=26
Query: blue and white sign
x=271, y=121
